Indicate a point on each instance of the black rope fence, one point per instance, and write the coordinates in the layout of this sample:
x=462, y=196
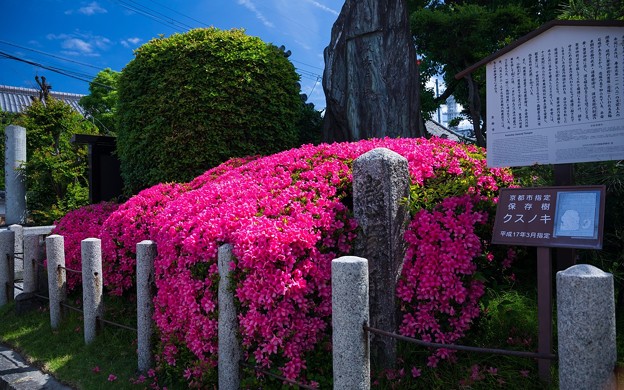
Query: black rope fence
x=493, y=351
x=69, y=269
x=74, y=308
x=275, y=376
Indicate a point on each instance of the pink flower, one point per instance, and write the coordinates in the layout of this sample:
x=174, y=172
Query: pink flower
x=112, y=378
x=415, y=372
x=287, y=217
x=96, y=369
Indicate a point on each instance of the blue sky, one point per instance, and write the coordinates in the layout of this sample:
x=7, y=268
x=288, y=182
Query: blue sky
x=83, y=37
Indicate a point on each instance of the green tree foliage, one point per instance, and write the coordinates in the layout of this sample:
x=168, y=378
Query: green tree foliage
x=56, y=169
x=453, y=35
x=593, y=10
x=194, y=100
x=101, y=102
x=310, y=123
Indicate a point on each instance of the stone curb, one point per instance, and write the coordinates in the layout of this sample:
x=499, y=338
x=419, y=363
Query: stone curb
x=17, y=374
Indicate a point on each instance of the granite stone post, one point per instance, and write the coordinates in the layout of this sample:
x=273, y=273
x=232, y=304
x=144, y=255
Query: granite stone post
x=229, y=346
x=18, y=264
x=350, y=312
x=15, y=182
x=586, y=328
x=7, y=245
x=146, y=252
x=32, y=254
x=93, y=306
x=381, y=184
x=57, y=277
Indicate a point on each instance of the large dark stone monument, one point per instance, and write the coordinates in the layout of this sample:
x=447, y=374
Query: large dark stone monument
x=371, y=78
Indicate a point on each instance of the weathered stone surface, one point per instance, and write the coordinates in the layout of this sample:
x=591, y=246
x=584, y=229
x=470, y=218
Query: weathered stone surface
x=57, y=277
x=7, y=245
x=92, y=286
x=15, y=182
x=229, y=343
x=350, y=311
x=146, y=253
x=586, y=328
x=370, y=78
x=380, y=183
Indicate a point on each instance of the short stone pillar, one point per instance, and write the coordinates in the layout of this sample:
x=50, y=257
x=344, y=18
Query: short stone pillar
x=586, y=328
x=381, y=184
x=32, y=255
x=92, y=288
x=145, y=252
x=229, y=346
x=7, y=245
x=18, y=264
x=350, y=312
x=57, y=277
x=15, y=182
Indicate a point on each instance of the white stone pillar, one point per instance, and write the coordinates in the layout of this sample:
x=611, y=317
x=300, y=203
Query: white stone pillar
x=92, y=288
x=57, y=277
x=146, y=252
x=15, y=182
x=229, y=346
x=586, y=328
x=350, y=312
x=32, y=254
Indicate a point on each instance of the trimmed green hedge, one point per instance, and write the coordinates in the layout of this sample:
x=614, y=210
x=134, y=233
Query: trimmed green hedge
x=194, y=100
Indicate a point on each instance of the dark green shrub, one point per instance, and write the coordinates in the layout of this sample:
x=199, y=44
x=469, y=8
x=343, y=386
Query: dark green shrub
x=194, y=100
x=56, y=169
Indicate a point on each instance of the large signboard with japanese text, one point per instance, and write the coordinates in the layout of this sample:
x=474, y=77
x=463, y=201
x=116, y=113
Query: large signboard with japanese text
x=558, y=98
x=570, y=217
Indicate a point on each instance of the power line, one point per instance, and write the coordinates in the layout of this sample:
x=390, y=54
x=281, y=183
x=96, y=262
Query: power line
x=50, y=55
x=179, y=13
x=153, y=14
x=65, y=72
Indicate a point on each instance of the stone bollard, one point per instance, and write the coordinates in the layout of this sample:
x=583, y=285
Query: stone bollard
x=229, y=348
x=586, y=328
x=15, y=183
x=93, y=306
x=18, y=264
x=146, y=252
x=381, y=183
x=350, y=312
x=7, y=245
x=57, y=277
x=32, y=254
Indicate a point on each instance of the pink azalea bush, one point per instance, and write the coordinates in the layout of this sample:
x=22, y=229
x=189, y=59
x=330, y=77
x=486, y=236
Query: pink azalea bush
x=287, y=216
x=76, y=226
x=125, y=227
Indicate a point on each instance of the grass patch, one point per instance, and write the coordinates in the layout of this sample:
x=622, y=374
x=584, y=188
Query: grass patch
x=509, y=321
x=64, y=354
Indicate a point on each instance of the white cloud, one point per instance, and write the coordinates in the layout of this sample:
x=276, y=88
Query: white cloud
x=252, y=7
x=81, y=44
x=130, y=42
x=78, y=45
x=90, y=9
x=323, y=7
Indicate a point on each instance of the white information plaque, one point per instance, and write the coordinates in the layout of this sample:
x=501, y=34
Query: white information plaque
x=558, y=98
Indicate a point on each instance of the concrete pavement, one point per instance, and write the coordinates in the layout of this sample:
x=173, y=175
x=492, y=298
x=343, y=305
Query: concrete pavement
x=17, y=374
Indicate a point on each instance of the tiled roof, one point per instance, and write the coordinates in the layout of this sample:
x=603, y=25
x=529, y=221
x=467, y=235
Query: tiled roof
x=16, y=99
